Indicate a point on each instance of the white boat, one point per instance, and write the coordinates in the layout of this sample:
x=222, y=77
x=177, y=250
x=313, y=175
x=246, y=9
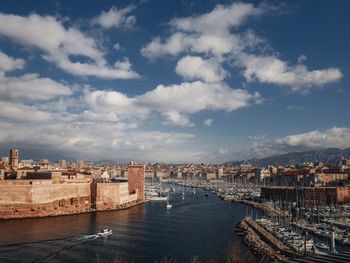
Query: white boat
x=151, y=193
x=105, y=232
x=346, y=241
x=322, y=246
x=168, y=205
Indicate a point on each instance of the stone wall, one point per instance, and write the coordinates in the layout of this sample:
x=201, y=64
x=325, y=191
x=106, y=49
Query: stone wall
x=35, y=198
x=109, y=195
x=136, y=180
x=58, y=196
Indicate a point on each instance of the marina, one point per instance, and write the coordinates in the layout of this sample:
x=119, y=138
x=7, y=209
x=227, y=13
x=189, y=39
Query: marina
x=304, y=231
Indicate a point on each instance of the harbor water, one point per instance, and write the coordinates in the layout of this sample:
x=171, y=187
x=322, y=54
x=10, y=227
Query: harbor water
x=196, y=226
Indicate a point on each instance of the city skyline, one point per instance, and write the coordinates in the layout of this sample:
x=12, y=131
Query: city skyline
x=174, y=82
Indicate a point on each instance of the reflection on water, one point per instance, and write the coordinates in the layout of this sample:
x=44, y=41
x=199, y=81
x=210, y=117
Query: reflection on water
x=197, y=226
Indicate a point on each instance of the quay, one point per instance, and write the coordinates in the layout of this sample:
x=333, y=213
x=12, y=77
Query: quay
x=262, y=243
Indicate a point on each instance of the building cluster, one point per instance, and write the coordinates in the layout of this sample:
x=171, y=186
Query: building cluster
x=110, y=185
x=199, y=171
x=44, y=188
x=306, y=184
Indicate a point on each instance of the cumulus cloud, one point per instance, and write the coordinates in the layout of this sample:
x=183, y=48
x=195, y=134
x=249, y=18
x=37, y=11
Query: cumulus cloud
x=172, y=101
x=269, y=69
x=208, y=122
x=176, y=118
x=333, y=137
x=20, y=112
x=216, y=45
x=8, y=63
x=115, y=105
x=191, y=97
x=217, y=35
x=193, y=67
x=219, y=21
x=116, y=18
x=32, y=87
x=59, y=44
x=206, y=33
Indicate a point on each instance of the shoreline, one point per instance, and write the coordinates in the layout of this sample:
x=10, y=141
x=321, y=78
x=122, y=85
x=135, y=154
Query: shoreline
x=75, y=213
x=262, y=243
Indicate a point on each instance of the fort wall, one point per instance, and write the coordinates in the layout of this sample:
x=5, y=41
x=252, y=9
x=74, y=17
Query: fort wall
x=136, y=179
x=38, y=198
x=107, y=196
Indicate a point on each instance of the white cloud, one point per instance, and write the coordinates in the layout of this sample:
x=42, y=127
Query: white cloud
x=206, y=33
x=191, y=97
x=8, y=63
x=173, y=46
x=116, y=104
x=117, y=46
x=208, y=122
x=262, y=147
x=173, y=102
x=178, y=42
x=97, y=141
x=194, y=67
x=314, y=140
x=31, y=87
x=175, y=118
x=60, y=44
x=120, y=70
x=19, y=112
x=116, y=18
x=216, y=35
x=219, y=21
x=270, y=69
x=333, y=137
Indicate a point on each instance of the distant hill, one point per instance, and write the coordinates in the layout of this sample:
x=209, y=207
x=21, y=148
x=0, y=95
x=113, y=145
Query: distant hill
x=326, y=155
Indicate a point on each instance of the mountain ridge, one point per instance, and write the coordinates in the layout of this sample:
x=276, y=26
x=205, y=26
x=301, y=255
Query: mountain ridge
x=324, y=155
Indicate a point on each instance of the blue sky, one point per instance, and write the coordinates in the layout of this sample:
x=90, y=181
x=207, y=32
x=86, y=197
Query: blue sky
x=173, y=81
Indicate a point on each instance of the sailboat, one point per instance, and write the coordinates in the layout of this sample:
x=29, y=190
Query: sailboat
x=183, y=192
x=194, y=191
x=168, y=204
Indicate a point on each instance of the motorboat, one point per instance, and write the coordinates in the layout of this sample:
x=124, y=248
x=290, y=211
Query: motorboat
x=346, y=241
x=322, y=246
x=105, y=232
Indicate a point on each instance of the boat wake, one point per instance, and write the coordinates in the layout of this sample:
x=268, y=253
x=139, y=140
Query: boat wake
x=76, y=238
x=69, y=244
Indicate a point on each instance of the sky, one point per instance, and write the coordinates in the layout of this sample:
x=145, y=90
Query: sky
x=173, y=81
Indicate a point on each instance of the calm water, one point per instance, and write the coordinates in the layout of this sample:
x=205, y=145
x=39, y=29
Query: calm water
x=197, y=226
